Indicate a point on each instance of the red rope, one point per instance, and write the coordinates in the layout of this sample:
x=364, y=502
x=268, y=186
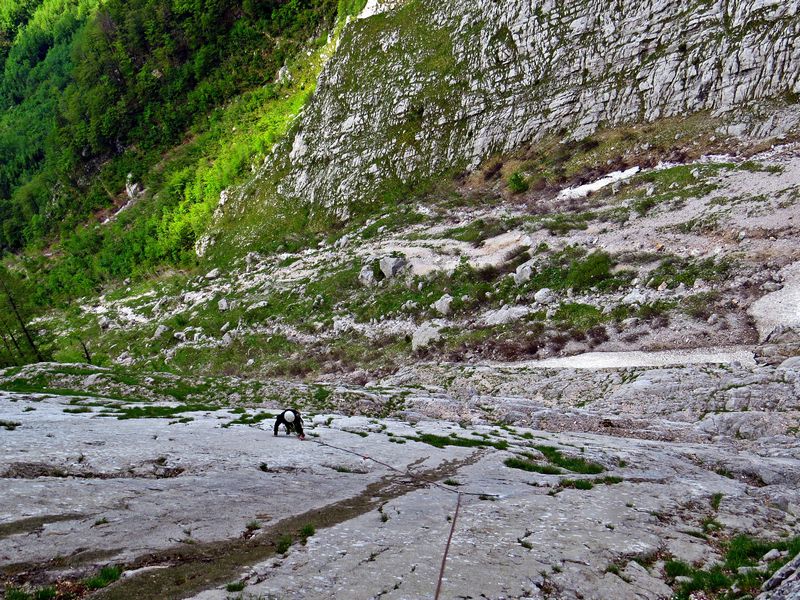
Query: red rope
x=447, y=548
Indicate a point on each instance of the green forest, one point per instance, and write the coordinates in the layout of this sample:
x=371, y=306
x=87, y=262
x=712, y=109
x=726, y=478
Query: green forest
x=178, y=96
x=149, y=106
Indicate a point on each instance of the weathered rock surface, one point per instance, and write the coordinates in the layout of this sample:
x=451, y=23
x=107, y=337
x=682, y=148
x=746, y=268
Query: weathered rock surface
x=481, y=78
x=144, y=487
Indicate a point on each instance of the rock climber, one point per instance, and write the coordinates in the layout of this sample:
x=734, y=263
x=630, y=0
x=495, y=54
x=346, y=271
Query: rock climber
x=293, y=422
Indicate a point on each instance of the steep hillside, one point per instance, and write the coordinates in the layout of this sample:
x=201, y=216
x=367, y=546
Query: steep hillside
x=435, y=88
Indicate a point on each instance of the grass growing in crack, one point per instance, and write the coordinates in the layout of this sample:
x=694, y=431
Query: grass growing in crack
x=283, y=544
x=45, y=593
x=574, y=464
x=306, y=531
x=578, y=484
x=532, y=467
x=360, y=433
x=253, y=526
x=9, y=425
x=440, y=441
x=609, y=480
x=107, y=576
x=710, y=524
x=452, y=482
x=716, y=499
x=236, y=586
x=160, y=412
x=246, y=419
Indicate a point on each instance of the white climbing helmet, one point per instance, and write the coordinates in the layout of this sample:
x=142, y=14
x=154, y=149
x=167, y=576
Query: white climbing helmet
x=289, y=416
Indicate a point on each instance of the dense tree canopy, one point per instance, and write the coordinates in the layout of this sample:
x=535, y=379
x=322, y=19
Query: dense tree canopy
x=94, y=90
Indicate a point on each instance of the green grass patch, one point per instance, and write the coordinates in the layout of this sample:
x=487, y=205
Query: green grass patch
x=253, y=419
x=107, y=576
x=527, y=465
x=439, y=441
x=160, y=412
x=283, y=544
x=578, y=484
x=570, y=463
x=741, y=551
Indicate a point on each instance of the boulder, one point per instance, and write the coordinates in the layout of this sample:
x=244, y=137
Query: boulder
x=544, y=296
x=392, y=265
x=442, y=305
x=223, y=305
x=523, y=273
x=213, y=274
x=504, y=315
x=366, y=276
x=424, y=336
x=635, y=297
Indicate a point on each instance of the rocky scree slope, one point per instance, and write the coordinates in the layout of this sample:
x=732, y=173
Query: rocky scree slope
x=434, y=87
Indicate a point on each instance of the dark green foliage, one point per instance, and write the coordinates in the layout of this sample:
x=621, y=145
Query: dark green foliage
x=236, y=586
x=92, y=91
x=517, y=183
x=307, y=531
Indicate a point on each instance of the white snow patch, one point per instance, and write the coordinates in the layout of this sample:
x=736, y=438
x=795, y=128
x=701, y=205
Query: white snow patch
x=582, y=191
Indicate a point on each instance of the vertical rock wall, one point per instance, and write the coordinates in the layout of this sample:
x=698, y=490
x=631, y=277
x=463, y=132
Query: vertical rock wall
x=441, y=84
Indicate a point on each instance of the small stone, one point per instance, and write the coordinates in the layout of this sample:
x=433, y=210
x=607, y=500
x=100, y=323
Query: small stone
x=523, y=273
x=160, y=330
x=442, y=305
x=544, y=296
x=223, y=305
x=773, y=554
x=213, y=274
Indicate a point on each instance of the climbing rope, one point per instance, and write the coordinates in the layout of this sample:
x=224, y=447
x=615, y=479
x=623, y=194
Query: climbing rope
x=447, y=548
x=408, y=473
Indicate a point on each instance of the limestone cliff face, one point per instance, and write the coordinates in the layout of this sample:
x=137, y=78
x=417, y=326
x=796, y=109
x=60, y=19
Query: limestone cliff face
x=436, y=85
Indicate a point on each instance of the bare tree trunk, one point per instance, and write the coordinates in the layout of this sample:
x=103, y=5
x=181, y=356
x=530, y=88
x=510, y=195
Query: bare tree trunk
x=21, y=321
x=85, y=351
